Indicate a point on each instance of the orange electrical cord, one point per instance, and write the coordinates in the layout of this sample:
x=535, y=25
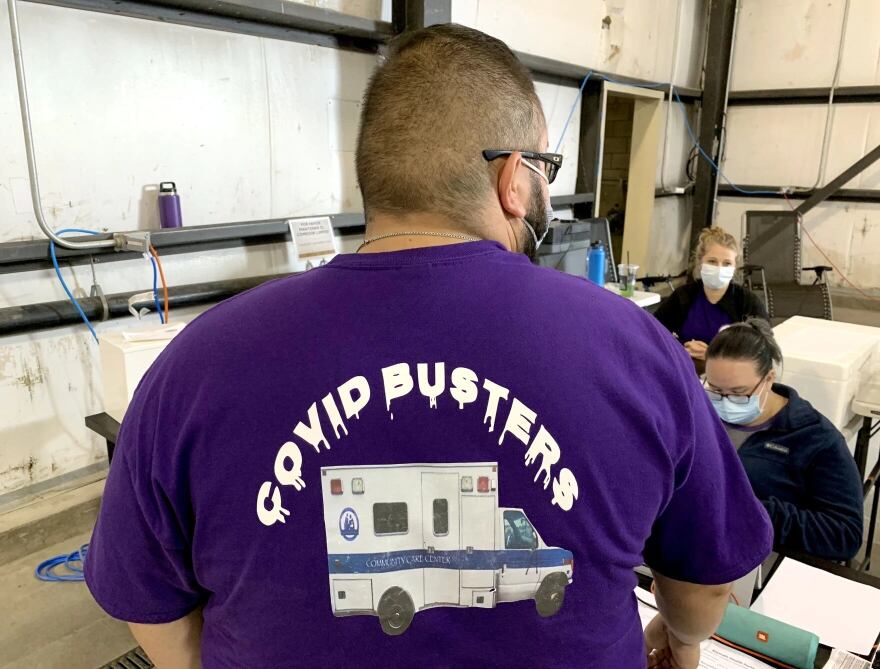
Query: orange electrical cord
x=162, y=277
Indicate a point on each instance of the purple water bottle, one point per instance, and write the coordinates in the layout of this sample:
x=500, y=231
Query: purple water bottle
x=169, y=205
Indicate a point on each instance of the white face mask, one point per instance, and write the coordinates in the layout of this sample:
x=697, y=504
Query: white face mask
x=741, y=414
x=716, y=277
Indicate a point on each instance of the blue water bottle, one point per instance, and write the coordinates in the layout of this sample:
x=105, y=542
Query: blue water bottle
x=169, y=205
x=596, y=264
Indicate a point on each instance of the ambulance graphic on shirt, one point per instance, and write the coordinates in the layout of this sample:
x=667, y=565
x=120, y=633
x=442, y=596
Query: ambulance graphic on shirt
x=402, y=538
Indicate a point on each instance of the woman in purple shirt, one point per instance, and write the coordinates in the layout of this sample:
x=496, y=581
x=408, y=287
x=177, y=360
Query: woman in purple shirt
x=695, y=312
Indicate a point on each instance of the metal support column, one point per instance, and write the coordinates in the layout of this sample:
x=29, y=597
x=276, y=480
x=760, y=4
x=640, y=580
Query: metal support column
x=722, y=18
x=415, y=14
x=588, y=153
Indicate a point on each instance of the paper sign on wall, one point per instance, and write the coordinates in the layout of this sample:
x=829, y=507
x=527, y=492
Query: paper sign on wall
x=313, y=238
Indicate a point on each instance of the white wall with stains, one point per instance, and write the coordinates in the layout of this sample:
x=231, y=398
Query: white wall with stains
x=629, y=37
x=797, y=44
x=249, y=129
x=368, y=9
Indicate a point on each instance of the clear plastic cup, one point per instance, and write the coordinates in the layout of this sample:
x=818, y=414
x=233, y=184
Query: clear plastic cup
x=628, y=279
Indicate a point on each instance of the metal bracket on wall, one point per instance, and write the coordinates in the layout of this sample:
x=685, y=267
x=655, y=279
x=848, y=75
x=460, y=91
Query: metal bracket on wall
x=135, y=242
x=97, y=291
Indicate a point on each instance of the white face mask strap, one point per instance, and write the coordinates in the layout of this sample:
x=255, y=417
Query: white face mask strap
x=532, y=232
x=536, y=170
x=763, y=404
x=528, y=225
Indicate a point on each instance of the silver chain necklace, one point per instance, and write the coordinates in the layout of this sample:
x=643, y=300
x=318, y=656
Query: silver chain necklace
x=451, y=235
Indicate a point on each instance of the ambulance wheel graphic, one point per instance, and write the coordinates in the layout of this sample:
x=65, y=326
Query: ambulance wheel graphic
x=550, y=595
x=395, y=611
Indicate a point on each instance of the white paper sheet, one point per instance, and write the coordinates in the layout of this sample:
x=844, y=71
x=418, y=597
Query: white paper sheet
x=313, y=238
x=713, y=655
x=840, y=659
x=843, y=613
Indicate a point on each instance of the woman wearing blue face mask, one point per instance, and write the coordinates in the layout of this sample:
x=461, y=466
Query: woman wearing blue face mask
x=797, y=461
x=696, y=311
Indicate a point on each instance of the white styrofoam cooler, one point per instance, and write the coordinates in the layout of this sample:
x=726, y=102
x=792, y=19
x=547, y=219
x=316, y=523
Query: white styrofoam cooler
x=124, y=362
x=827, y=362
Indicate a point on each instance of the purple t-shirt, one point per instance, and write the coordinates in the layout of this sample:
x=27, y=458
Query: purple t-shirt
x=703, y=321
x=447, y=435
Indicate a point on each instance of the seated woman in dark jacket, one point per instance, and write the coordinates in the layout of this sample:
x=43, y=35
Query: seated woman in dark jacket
x=797, y=461
x=696, y=311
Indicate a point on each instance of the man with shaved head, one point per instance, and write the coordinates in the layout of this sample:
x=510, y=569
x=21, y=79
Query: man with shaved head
x=428, y=453
x=444, y=99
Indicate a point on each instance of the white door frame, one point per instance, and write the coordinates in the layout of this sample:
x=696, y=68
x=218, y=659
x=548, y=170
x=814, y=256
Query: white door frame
x=646, y=133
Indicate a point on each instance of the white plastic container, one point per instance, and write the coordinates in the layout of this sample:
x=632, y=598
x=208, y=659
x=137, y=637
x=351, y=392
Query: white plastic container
x=827, y=362
x=125, y=358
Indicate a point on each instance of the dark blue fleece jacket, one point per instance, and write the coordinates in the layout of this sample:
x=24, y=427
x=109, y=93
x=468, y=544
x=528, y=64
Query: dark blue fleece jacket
x=802, y=471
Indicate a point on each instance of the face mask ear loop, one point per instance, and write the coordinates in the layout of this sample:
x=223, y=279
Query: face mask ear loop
x=532, y=232
x=763, y=405
x=528, y=225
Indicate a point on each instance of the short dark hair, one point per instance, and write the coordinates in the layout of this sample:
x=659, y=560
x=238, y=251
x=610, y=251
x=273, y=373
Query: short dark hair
x=752, y=341
x=443, y=95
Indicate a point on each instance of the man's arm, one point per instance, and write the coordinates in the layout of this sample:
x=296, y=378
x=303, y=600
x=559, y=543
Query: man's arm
x=689, y=614
x=175, y=645
x=692, y=612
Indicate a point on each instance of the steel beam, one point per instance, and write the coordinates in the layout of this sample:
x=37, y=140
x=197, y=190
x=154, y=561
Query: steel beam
x=31, y=317
x=569, y=200
x=569, y=74
x=672, y=193
x=31, y=255
x=840, y=195
x=722, y=18
x=804, y=96
x=844, y=177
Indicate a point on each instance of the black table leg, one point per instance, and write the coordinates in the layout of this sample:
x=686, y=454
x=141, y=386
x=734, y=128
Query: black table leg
x=872, y=527
x=863, y=440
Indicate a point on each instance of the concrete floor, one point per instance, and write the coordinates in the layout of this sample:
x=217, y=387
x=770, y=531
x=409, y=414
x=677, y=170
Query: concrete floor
x=54, y=625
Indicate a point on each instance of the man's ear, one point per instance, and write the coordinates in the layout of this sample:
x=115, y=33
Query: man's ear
x=513, y=192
